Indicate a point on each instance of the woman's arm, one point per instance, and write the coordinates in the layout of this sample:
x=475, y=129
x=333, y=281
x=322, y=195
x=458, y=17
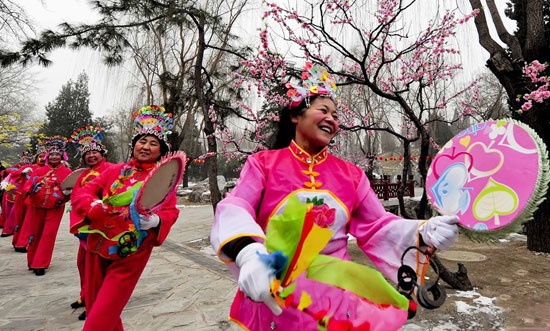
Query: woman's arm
x=235, y=216
x=93, y=190
x=382, y=235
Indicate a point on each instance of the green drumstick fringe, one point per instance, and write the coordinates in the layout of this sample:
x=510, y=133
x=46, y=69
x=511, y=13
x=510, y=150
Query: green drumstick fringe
x=537, y=197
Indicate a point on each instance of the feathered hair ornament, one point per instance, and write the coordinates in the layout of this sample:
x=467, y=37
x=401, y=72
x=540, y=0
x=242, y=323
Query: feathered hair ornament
x=316, y=80
x=88, y=138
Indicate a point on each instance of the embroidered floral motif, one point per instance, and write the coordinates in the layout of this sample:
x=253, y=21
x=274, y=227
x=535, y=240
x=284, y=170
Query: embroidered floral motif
x=323, y=215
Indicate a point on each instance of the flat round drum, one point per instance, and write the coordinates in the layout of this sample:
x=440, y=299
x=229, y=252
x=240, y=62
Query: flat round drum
x=70, y=181
x=492, y=175
x=160, y=183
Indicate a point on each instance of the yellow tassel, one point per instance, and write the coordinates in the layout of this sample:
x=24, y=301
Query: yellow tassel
x=305, y=301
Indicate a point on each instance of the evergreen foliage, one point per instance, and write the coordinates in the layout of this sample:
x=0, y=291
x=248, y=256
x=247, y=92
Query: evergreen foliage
x=69, y=111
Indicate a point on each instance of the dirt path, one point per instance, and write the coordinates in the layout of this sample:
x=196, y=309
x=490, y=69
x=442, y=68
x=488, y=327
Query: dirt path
x=511, y=290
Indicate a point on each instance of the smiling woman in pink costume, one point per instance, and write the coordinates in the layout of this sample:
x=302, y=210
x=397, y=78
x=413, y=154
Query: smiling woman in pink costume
x=302, y=167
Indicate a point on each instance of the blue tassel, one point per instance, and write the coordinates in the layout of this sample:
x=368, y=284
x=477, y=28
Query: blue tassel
x=276, y=261
x=134, y=216
x=113, y=249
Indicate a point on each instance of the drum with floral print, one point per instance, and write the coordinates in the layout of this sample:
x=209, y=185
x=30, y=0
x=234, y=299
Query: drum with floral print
x=492, y=175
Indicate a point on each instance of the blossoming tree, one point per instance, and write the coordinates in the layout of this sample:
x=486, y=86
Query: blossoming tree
x=370, y=48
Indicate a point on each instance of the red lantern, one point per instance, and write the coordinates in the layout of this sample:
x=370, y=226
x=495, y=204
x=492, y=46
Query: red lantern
x=391, y=158
x=381, y=158
x=427, y=157
x=400, y=158
x=412, y=157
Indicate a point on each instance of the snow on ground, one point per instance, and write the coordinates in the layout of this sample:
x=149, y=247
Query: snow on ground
x=208, y=250
x=481, y=304
x=473, y=311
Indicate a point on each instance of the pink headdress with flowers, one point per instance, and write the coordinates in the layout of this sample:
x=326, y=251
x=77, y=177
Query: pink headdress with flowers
x=56, y=144
x=88, y=138
x=316, y=80
x=152, y=120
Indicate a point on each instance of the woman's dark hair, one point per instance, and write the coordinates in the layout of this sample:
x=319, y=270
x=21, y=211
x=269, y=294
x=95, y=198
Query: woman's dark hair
x=286, y=130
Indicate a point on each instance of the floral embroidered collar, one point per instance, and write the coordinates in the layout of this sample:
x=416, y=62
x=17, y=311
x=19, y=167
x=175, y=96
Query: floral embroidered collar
x=304, y=156
x=141, y=165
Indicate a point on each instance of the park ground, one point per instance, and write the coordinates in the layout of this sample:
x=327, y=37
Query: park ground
x=185, y=287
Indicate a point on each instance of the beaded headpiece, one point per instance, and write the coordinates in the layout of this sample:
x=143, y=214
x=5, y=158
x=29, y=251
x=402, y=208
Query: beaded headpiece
x=56, y=144
x=316, y=80
x=40, y=149
x=88, y=138
x=153, y=120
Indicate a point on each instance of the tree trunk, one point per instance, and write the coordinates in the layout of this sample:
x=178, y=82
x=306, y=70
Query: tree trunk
x=458, y=280
x=508, y=70
x=402, y=187
x=211, y=162
x=538, y=229
x=423, y=169
x=185, y=181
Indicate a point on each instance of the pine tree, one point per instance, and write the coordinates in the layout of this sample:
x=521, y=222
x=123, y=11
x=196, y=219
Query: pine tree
x=69, y=111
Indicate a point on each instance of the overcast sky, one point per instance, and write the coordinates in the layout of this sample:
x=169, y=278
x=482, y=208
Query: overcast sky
x=108, y=86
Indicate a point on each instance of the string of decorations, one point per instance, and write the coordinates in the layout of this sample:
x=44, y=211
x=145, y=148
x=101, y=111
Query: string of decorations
x=399, y=158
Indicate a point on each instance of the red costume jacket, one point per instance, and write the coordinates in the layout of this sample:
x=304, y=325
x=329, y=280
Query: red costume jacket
x=84, y=178
x=18, y=178
x=107, y=227
x=44, y=186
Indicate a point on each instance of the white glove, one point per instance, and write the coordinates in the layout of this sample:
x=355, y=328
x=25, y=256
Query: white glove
x=26, y=170
x=68, y=191
x=440, y=232
x=255, y=276
x=95, y=202
x=3, y=185
x=148, y=222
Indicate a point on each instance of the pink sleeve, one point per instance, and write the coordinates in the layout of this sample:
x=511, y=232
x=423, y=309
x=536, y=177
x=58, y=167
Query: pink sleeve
x=382, y=235
x=235, y=215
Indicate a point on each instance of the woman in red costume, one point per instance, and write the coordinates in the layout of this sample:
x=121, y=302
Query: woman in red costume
x=23, y=230
x=88, y=142
x=120, y=241
x=13, y=192
x=19, y=209
x=46, y=205
x=7, y=196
